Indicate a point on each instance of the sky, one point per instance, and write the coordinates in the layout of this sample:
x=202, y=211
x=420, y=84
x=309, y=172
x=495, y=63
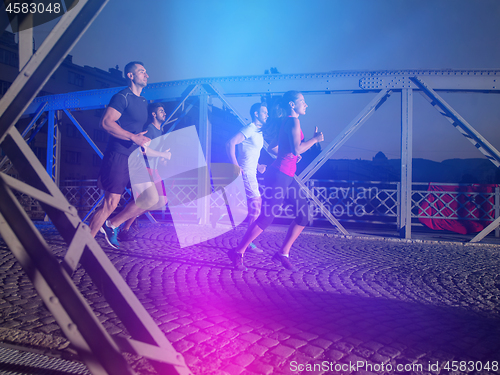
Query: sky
x=184, y=39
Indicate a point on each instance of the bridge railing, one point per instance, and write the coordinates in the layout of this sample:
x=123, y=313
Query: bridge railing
x=372, y=202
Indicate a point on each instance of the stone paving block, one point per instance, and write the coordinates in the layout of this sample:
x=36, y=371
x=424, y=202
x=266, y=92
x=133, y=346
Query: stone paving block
x=234, y=369
x=168, y=327
x=214, y=330
x=202, y=324
x=191, y=360
x=352, y=358
x=344, y=347
x=233, y=348
x=257, y=350
x=28, y=318
x=174, y=336
x=228, y=334
x=243, y=329
x=268, y=342
x=280, y=336
x=274, y=326
x=250, y=337
x=184, y=321
x=294, y=343
x=332, y=336
x=228, y=324
x=283, y=351
x=261, y=368
x=198, y=337
x=363, y=352
x=334, y=355
x=204, y=349
x=389, y=351
x=304, y=335
x=187, y=330
x=322, y=343
x=183, y=345
x=46, y=328
x=372, y=345
x=312, y=351
x=36, y=325
x=243, y=359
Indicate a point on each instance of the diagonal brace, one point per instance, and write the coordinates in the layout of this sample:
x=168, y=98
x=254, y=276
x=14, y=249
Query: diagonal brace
x=459, y=122
x=342, y=138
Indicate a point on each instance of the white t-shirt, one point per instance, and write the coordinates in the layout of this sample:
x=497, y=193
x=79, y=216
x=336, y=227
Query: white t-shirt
x=249, y=149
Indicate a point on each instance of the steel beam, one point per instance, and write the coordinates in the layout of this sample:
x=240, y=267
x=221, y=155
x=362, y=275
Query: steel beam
x=490, y=228
x=26, y=40
x=189, y=91
x=93, y=259
x=84, y=133
x=205, y=134
x=317, y=83
x=406, y=163
x=28, y=128
x=69, y=308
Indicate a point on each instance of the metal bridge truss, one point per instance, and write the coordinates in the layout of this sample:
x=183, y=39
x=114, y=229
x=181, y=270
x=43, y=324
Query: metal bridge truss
x=385, y=83
x=101, y=352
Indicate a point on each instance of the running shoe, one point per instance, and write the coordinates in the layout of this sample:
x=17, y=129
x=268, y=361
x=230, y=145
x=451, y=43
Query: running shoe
x=111, y=235
x=126, y=235
x=237, y=260
x=254, y=249
x=284, y=261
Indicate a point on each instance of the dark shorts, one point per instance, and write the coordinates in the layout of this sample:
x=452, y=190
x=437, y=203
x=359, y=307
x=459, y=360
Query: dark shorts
x=114, y=176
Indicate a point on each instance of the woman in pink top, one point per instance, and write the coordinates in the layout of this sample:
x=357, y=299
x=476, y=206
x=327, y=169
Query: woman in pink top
x=279, y=182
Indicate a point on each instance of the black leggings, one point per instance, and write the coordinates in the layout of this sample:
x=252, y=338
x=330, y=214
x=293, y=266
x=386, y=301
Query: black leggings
x=277, y=187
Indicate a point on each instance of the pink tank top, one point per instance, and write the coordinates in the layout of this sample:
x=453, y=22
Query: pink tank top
x=286, y=161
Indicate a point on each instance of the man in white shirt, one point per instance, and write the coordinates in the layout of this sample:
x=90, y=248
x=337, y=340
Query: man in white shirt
x=249, y=141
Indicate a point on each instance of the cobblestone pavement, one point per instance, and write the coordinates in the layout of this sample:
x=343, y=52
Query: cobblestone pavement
x=355, y=306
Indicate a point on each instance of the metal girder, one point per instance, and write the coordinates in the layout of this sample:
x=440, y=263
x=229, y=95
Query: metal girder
x=406, y=163
x=84, y=249
x=84, y=133
x=319, y=83
x=184, y=113
x=490, y=228
x=321, y=206
x=26, y=40
x=54, y=285
x=53, y=147
x=33, y=121
x=39, y=112
x=351, y=128
x=189, y=91
x=459, y=122
x=205, y=134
